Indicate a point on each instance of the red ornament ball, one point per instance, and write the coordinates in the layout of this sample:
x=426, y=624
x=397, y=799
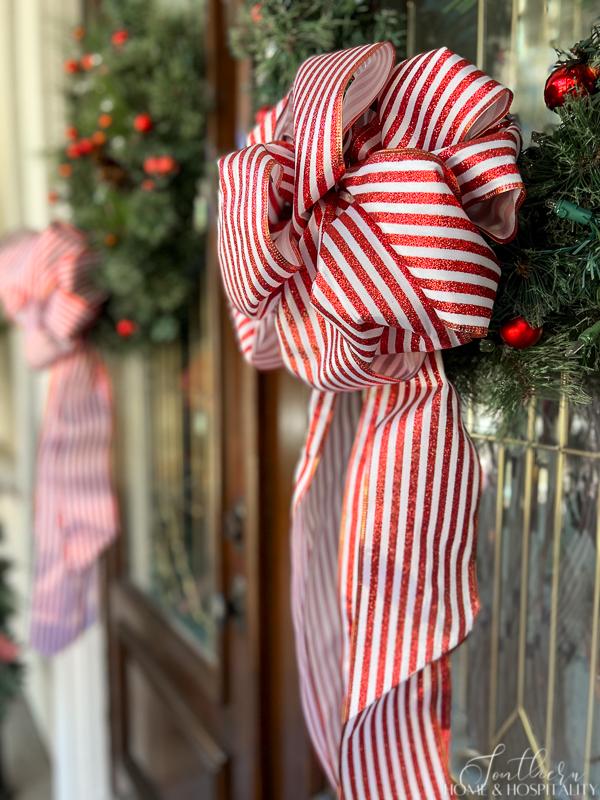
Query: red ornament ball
x=72, y=133
x=569, y=81
x=143, y=123
x=105, y=120
x=256, y=13
x=119, y=38
x=65, y=170
x=71, y=66
x=85, y=147
x=518, y=333
x=126, y=328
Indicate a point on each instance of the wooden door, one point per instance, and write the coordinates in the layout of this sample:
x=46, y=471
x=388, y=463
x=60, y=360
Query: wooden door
x=181, y=593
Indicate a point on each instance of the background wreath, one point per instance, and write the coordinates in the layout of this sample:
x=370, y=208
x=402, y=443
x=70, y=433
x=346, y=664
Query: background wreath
x=130, y=172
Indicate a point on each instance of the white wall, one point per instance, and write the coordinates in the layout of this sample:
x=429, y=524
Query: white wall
x=68, y=694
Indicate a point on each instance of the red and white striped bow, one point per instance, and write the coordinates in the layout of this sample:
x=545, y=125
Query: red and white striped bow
x=351, y=250
x=45, y=287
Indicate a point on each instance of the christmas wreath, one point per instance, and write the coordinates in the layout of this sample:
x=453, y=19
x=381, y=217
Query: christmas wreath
x=544, y=339
x=130, y=170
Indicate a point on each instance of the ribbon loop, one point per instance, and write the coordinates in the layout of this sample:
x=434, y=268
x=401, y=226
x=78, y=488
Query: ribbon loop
x=330, y=93
x=438, y=99
x=46, y=286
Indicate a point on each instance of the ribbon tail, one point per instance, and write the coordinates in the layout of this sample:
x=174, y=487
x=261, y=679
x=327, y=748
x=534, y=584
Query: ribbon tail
x=398, y=747
x=314, y=541
x=75, y=514
x=408, y=583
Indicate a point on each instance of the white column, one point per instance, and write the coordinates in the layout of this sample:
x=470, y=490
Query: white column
x=68, y=694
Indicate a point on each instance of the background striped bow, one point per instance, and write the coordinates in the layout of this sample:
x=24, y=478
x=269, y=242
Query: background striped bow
x=351, y=250
x=45, y=287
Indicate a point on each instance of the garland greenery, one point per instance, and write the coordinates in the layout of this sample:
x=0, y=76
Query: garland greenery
x=132, y=162
x=11, y=669
x=278, y=35
x=551, y=271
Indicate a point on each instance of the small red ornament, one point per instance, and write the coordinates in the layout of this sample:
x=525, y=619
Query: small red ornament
x=71, y=66
x=105, y=120
x=87, y=61
x=65, y=170
x=72, y=133
x=73, y=150
x=119, y=38
x=85, y=147
x=53, y=197
x=518, y=333
x=126, y=328
x=143, y=123
x=256, y=13
x=99, y=138
x=79, y=33
x=569, y=81
x=148, y=185
x=160, y=165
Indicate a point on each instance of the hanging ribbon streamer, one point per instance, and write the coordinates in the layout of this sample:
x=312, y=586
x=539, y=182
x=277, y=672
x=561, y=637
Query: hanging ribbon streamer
x=45, y=287
x=351, y=251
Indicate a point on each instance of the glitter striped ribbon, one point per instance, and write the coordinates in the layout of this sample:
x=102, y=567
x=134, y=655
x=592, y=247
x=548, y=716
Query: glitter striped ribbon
x=351, y=251
x=45, y=288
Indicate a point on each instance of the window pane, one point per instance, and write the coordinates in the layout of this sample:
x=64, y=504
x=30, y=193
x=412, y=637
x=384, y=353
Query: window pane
x=167, y=411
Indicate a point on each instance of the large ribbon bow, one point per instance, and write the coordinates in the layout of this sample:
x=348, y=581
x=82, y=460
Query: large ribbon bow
x=351, y=249
x=45, y=287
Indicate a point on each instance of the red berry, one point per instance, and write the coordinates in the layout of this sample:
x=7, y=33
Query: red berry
x=105, y=120
x=518, y=333
x=166, y=165
x=65, y=170
x=52, y=197
x=73, y=150
x=126, y=328
x=256, y=13
x=71, y=66
x=143, y=123
x=72, y=133
x=148, y=185
x=79, y=33
x=99, y=138
x=151, y=165
x=85, y=147
x=87, y=61
x=119, y=38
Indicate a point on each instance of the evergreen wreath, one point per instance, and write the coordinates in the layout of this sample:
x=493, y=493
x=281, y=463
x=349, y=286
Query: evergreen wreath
x=544, y=338
x=133, y=161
